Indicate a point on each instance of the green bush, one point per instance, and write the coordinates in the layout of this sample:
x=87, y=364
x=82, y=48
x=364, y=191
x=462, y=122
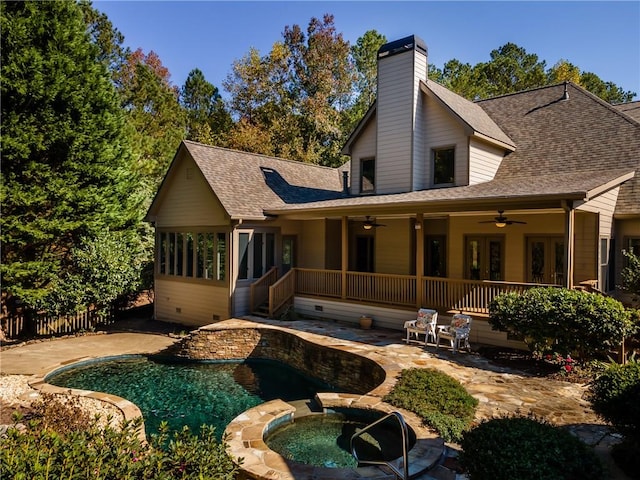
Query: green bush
x=441, y=401
x=526, y=449
x=573, y=322
x=615, y=396
x=37, y=451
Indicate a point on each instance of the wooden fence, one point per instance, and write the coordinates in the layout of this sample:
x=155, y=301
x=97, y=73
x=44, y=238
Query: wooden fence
x=44, y=324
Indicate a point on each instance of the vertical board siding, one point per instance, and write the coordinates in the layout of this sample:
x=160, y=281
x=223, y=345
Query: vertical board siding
x=191, y=303
x=484, y=161
x=188, y=199
x=585, y=265
x=393, y=246
x=311, y=246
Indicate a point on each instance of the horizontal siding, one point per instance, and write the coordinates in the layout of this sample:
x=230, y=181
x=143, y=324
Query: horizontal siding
x=484, y=161
x=364, y=147
x=393, y=319
x=190, y=303
x=395, y=106
x=443, y=131
x=187, y=199
x=605, y=205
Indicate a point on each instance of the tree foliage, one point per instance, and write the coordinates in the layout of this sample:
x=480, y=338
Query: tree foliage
x=512, y=69
x=365, y=60
x=207, y=117
x=156, y=121
x=67, y=177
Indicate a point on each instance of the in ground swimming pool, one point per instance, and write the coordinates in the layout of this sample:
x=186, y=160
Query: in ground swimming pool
x=190, y=393
x=324, y=440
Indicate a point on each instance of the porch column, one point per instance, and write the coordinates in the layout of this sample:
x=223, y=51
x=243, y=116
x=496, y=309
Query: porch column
x=345, y=255
x=419, y=258
x=569, y=237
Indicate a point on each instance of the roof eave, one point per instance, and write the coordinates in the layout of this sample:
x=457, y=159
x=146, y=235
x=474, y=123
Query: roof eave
x=600, y=189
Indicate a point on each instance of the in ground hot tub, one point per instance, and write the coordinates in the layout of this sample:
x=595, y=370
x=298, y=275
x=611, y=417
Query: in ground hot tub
x=248, y=438
x=324, y=439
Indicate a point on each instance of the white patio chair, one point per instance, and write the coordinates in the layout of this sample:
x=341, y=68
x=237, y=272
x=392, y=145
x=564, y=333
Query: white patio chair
x=424, y=324
x=457, y=332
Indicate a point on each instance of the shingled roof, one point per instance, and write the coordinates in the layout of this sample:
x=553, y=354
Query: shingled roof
x=469, y=113
x=567, y=186
x=556, y=136
x=247, y=183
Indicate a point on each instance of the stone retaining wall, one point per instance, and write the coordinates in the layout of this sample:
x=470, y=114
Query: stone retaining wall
x=345, y=370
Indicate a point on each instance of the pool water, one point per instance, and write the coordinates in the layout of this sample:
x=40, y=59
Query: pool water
x=191, y=393
x=323, y=440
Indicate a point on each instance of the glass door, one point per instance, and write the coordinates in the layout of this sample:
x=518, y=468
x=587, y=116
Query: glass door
x=288, y=253
x=545, y=260
x=484, y=258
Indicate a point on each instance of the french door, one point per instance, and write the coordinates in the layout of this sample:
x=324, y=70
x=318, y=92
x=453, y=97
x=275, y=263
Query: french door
x=484, y=257
x=545, y=260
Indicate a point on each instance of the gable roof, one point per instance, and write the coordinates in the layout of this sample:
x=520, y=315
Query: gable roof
x=247, y=183
x=631, y=108
x=555, y=136
x=476, y=120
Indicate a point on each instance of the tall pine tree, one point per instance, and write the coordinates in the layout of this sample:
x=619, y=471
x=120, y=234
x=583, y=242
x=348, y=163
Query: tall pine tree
x=70, y=201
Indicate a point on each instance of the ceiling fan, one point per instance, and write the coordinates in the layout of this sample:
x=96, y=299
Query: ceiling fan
x=369, y=224
x=502, y=221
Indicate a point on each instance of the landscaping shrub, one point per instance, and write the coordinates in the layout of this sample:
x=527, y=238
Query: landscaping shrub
x=615, y=396
x=557, y=320
x=440, y=400
x=526, y=449
x=37, y=451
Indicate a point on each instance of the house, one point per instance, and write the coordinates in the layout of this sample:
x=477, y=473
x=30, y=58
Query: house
x=444, y=204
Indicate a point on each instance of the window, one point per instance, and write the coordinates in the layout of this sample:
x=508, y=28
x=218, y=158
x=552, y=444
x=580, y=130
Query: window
x=444, y=166
x=632, y=245
x=368, y=175
x=256, y=254
x=199, y=255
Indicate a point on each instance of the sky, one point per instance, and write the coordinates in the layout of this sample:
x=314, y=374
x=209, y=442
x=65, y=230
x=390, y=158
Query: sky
x=599, y=37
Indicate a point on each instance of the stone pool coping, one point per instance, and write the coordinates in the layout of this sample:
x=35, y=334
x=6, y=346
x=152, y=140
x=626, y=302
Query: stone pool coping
x=245, y=440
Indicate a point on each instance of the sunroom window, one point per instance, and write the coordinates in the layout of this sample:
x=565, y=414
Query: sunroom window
x=199, y=255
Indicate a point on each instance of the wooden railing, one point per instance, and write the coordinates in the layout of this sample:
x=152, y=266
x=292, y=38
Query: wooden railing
x=321, y=283
x=397, y=290
x=471, y=296
x=260, y=288
x=281, y=292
